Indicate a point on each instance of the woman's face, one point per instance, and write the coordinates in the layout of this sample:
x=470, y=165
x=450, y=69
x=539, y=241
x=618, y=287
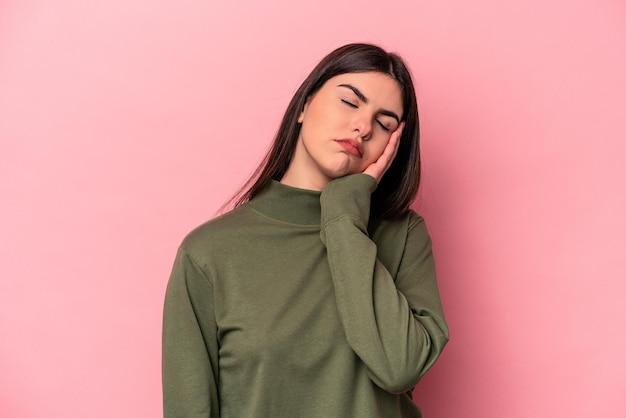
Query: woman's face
x=346, y=125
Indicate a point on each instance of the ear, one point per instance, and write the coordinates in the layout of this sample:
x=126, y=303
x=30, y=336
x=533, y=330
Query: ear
x=306, y=104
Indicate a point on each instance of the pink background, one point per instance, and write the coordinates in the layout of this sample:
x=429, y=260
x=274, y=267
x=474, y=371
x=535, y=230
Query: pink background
x=124, y=124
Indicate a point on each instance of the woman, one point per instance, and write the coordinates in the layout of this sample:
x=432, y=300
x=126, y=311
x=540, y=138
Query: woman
x=316, y=296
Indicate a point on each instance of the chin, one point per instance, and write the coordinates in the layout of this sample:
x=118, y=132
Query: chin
x=342, y=168
x=339, y=172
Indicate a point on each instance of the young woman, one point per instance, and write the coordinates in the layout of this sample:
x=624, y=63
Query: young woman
x=316, y=296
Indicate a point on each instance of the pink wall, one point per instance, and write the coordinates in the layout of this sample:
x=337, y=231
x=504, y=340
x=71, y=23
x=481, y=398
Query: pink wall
x=123, y=124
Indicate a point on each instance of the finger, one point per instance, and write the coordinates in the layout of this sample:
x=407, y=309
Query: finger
x=394, y=140
x=391, y=150
x=378, y=168
x=393, y=145
x=398, y=135
x=387, y=156
x=399, y=131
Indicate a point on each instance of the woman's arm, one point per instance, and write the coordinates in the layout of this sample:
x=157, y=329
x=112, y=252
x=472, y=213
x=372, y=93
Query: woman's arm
x=190, y=365
x=395, y=325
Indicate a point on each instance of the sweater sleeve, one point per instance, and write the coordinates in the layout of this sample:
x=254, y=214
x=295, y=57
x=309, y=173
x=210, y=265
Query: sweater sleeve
x=395, y=325
x=190, y=359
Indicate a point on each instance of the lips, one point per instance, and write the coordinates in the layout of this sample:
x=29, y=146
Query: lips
x=352, y=146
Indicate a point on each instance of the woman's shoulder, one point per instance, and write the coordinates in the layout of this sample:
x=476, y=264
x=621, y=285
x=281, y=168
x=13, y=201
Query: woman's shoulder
x=217, y=230
x=395, y=232
x=406, y=221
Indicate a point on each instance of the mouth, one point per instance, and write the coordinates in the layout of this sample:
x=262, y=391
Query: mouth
x=352, y=146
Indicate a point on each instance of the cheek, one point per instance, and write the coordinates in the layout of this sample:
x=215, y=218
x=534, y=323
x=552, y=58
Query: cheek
x=373, y=154
x=376, y=150
x=317, y=121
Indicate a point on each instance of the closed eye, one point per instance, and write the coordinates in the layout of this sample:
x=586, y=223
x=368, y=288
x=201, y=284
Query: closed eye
x=382, y=125
x=355, y=106
x=349, y=103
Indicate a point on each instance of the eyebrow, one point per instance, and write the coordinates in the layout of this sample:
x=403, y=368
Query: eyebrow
x=364, y=99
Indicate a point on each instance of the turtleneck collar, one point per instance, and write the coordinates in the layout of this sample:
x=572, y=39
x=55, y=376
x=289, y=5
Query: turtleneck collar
x=288, y=204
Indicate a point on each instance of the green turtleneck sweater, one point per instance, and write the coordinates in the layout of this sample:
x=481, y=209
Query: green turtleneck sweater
x=295, y=304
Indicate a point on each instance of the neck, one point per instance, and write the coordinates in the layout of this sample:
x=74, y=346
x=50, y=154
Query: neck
x=298, y=180
x=301, y=174
x=288, y=204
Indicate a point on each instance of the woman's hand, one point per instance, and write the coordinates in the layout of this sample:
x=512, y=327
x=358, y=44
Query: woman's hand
x=380, y=166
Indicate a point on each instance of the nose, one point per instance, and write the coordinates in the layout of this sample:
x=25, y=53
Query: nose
x=362, y=124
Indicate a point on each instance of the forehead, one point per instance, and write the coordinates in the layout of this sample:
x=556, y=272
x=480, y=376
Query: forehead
x=380, y=89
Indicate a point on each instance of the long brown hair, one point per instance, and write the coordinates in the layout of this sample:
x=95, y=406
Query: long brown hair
x=399, y=185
